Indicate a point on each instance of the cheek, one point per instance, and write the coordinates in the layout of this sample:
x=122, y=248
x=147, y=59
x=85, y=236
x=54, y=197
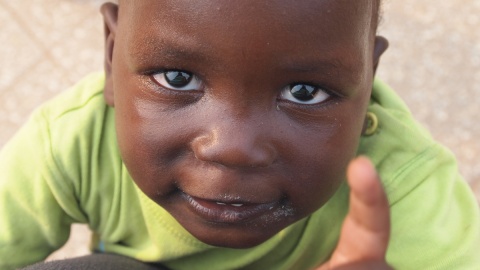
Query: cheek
x=320, y=159
x=135, y=148
x=149, y=140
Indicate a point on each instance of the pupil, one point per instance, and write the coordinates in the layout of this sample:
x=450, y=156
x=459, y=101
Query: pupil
x=303, y=92
x=178, y=78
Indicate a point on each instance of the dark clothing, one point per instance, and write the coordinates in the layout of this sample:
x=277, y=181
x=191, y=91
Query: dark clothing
x=96, y=261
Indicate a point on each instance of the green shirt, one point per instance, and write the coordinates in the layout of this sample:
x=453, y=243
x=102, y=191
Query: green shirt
x=64, y=166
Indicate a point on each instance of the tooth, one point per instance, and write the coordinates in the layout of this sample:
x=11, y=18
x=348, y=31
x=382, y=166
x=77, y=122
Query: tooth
x=221, y=203
x=237, y=204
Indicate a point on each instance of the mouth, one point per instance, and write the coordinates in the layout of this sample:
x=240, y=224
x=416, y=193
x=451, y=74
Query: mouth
x=228, y=211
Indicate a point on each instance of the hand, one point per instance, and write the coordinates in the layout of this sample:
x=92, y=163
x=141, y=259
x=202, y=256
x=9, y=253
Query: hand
x=366, y=229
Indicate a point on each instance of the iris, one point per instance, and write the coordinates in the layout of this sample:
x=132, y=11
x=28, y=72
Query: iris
x=178, y=78
x=303, y=92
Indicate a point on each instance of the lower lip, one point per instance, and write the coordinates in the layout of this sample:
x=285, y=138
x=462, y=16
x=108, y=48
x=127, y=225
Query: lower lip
x=213, y=212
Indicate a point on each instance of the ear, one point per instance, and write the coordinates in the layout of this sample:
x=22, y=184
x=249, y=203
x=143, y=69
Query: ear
x=381, y=45
x=110, y=18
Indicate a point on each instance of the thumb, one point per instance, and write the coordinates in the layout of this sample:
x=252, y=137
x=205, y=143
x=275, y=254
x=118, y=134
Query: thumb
x=366, y=229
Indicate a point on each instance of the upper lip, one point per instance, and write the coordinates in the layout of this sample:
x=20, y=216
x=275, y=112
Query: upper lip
x=229, y=186
x=229, y=199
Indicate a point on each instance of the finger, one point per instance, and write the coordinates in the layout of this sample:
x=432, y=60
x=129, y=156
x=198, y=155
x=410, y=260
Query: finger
x=366, y=229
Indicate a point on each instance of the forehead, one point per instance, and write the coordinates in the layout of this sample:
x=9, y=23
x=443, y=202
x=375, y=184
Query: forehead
x=249, y=19
x=279, y=12
x=335, y=29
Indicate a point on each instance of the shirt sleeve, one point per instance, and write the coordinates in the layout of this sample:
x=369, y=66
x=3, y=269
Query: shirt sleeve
x=436, y=224
x=32, y=221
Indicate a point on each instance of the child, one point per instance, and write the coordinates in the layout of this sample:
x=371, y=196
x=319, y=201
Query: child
x=219, y=138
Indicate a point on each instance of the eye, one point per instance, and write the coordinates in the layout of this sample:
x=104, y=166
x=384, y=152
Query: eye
x=304, y=94
x=177, y=80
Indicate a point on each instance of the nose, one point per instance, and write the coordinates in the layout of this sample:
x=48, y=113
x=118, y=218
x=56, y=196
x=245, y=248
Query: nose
x=234, y=143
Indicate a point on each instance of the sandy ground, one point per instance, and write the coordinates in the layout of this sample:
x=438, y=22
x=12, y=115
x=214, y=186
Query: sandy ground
x=433, y=63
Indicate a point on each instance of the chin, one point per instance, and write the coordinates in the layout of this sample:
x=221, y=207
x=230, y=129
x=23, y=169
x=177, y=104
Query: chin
x=234, y=240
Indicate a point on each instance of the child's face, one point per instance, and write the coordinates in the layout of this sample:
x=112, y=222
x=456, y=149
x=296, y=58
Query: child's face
x=239, y=117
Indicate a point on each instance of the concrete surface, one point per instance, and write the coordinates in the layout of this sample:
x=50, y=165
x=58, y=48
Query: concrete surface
x=433, y=62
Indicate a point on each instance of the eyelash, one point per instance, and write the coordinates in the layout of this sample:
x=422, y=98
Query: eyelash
x=161, y=78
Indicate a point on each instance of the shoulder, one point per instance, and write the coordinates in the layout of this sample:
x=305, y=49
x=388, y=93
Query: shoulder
x=399, y=145
x=78, y=131
x=53, y=157
x=80, y=101
x=58, y=128
x=435, y=218
x=78, y=122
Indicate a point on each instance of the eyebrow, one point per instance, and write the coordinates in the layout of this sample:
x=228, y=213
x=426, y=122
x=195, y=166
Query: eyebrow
x=324, y=67
x=158, y=50
x=313, y=65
